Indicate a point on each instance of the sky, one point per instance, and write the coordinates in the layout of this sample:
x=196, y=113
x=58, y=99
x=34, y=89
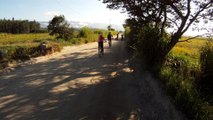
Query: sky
x=92, y=11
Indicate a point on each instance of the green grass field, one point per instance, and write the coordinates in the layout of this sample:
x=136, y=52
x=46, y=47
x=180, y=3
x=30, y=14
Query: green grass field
x=6, y=39
x=11, y=44
x=190, y=48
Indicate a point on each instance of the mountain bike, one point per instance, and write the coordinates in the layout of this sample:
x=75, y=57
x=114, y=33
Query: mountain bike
x=110, y=43
x=100, y=52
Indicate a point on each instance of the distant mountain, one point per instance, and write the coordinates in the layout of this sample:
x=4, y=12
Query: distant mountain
x=76, y=24
x=43, y=24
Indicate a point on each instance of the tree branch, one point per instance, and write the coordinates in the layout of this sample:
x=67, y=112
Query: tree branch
x=190, y=38
x=164, y=22
x=188, y=8
x=173, y=21
x=196, y=15
x=177, y=11
x=187, y=40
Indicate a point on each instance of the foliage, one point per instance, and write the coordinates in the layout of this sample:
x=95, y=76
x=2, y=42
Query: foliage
x=21, y=47
x=23, y=38
x=147, y=42
x=19, y=52
x=151, y=45
x=182, y=77
x=24, y=52
x=19, y=26
x=24, y=46
x=176, y=14
x=109, y=28
x=60, y=28
x=206, y=61
x=164, y=12
x=179, y=78
x=85, y=32
x=131, y=33
x=127, y=31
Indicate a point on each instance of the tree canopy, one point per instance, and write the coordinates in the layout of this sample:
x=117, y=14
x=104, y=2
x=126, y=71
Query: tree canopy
x=59, y=27
x=19, y=26
x=176, y=14
x=159, y=16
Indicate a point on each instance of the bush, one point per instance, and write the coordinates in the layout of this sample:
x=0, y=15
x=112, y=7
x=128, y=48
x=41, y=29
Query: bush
x=75, y=41
x=25, y=52
x=21, y=53
x=150, y=45
x=85, y=32
x=87, y=35
x=206, y=61
x=184, y=94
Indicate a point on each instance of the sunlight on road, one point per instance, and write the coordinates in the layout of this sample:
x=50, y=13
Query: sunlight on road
x=127, y=70
x=35, y=82
x=75, y=83
x=7, y=99
x=60, y=78
x=82, y=82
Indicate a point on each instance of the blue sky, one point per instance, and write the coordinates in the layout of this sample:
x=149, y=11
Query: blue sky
x=93, y=11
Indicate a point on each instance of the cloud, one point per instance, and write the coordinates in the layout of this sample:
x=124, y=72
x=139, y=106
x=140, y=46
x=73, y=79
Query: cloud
x=83, y=24
x=50, y=14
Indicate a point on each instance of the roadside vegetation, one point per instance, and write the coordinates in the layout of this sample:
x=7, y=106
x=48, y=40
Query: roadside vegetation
x=185, y=68
x=187, y=75
x=186, y=71
x=20, y=47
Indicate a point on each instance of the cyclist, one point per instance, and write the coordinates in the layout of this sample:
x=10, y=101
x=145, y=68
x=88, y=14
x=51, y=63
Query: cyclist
x=100, y=43
x=109, y=37
x=122, y=37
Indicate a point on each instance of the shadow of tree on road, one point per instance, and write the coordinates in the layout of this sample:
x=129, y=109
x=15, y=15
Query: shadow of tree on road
x=77, y=86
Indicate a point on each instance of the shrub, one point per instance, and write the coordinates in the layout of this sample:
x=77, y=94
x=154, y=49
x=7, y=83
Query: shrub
x=21, y=53
x=25, y=52
x=75, y=40
x=206, y=61
x=184, y=94
x=151, y=46
x=85, y=32
x=180, y=74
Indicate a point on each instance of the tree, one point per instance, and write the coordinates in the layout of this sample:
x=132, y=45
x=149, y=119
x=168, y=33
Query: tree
x=60, y=28
x=110, y=28
x=18, y=26
x=84, y=32
x=34, y=26
x=162, y=14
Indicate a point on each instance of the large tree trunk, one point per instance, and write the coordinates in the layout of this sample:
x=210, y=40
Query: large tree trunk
x=174, y=40
x=160, y=60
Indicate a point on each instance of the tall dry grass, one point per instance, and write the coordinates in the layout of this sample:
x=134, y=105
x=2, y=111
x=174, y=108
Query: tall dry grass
x=182, y=74
x=6, y=38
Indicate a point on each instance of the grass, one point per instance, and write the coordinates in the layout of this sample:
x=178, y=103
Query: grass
x=181, y=74
x=18, y=47
x=190, y=48
x=7, y=40
x=28, y=43
x=23, y=38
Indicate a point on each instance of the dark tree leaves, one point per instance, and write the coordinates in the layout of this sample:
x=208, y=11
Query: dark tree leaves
x=60, y=28
x=176, y=14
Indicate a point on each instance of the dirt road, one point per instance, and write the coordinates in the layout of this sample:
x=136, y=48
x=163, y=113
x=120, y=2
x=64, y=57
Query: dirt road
x=77, y=85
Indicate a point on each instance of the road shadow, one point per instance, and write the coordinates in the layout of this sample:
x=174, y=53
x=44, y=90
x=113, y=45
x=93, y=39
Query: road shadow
x=76, y=86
